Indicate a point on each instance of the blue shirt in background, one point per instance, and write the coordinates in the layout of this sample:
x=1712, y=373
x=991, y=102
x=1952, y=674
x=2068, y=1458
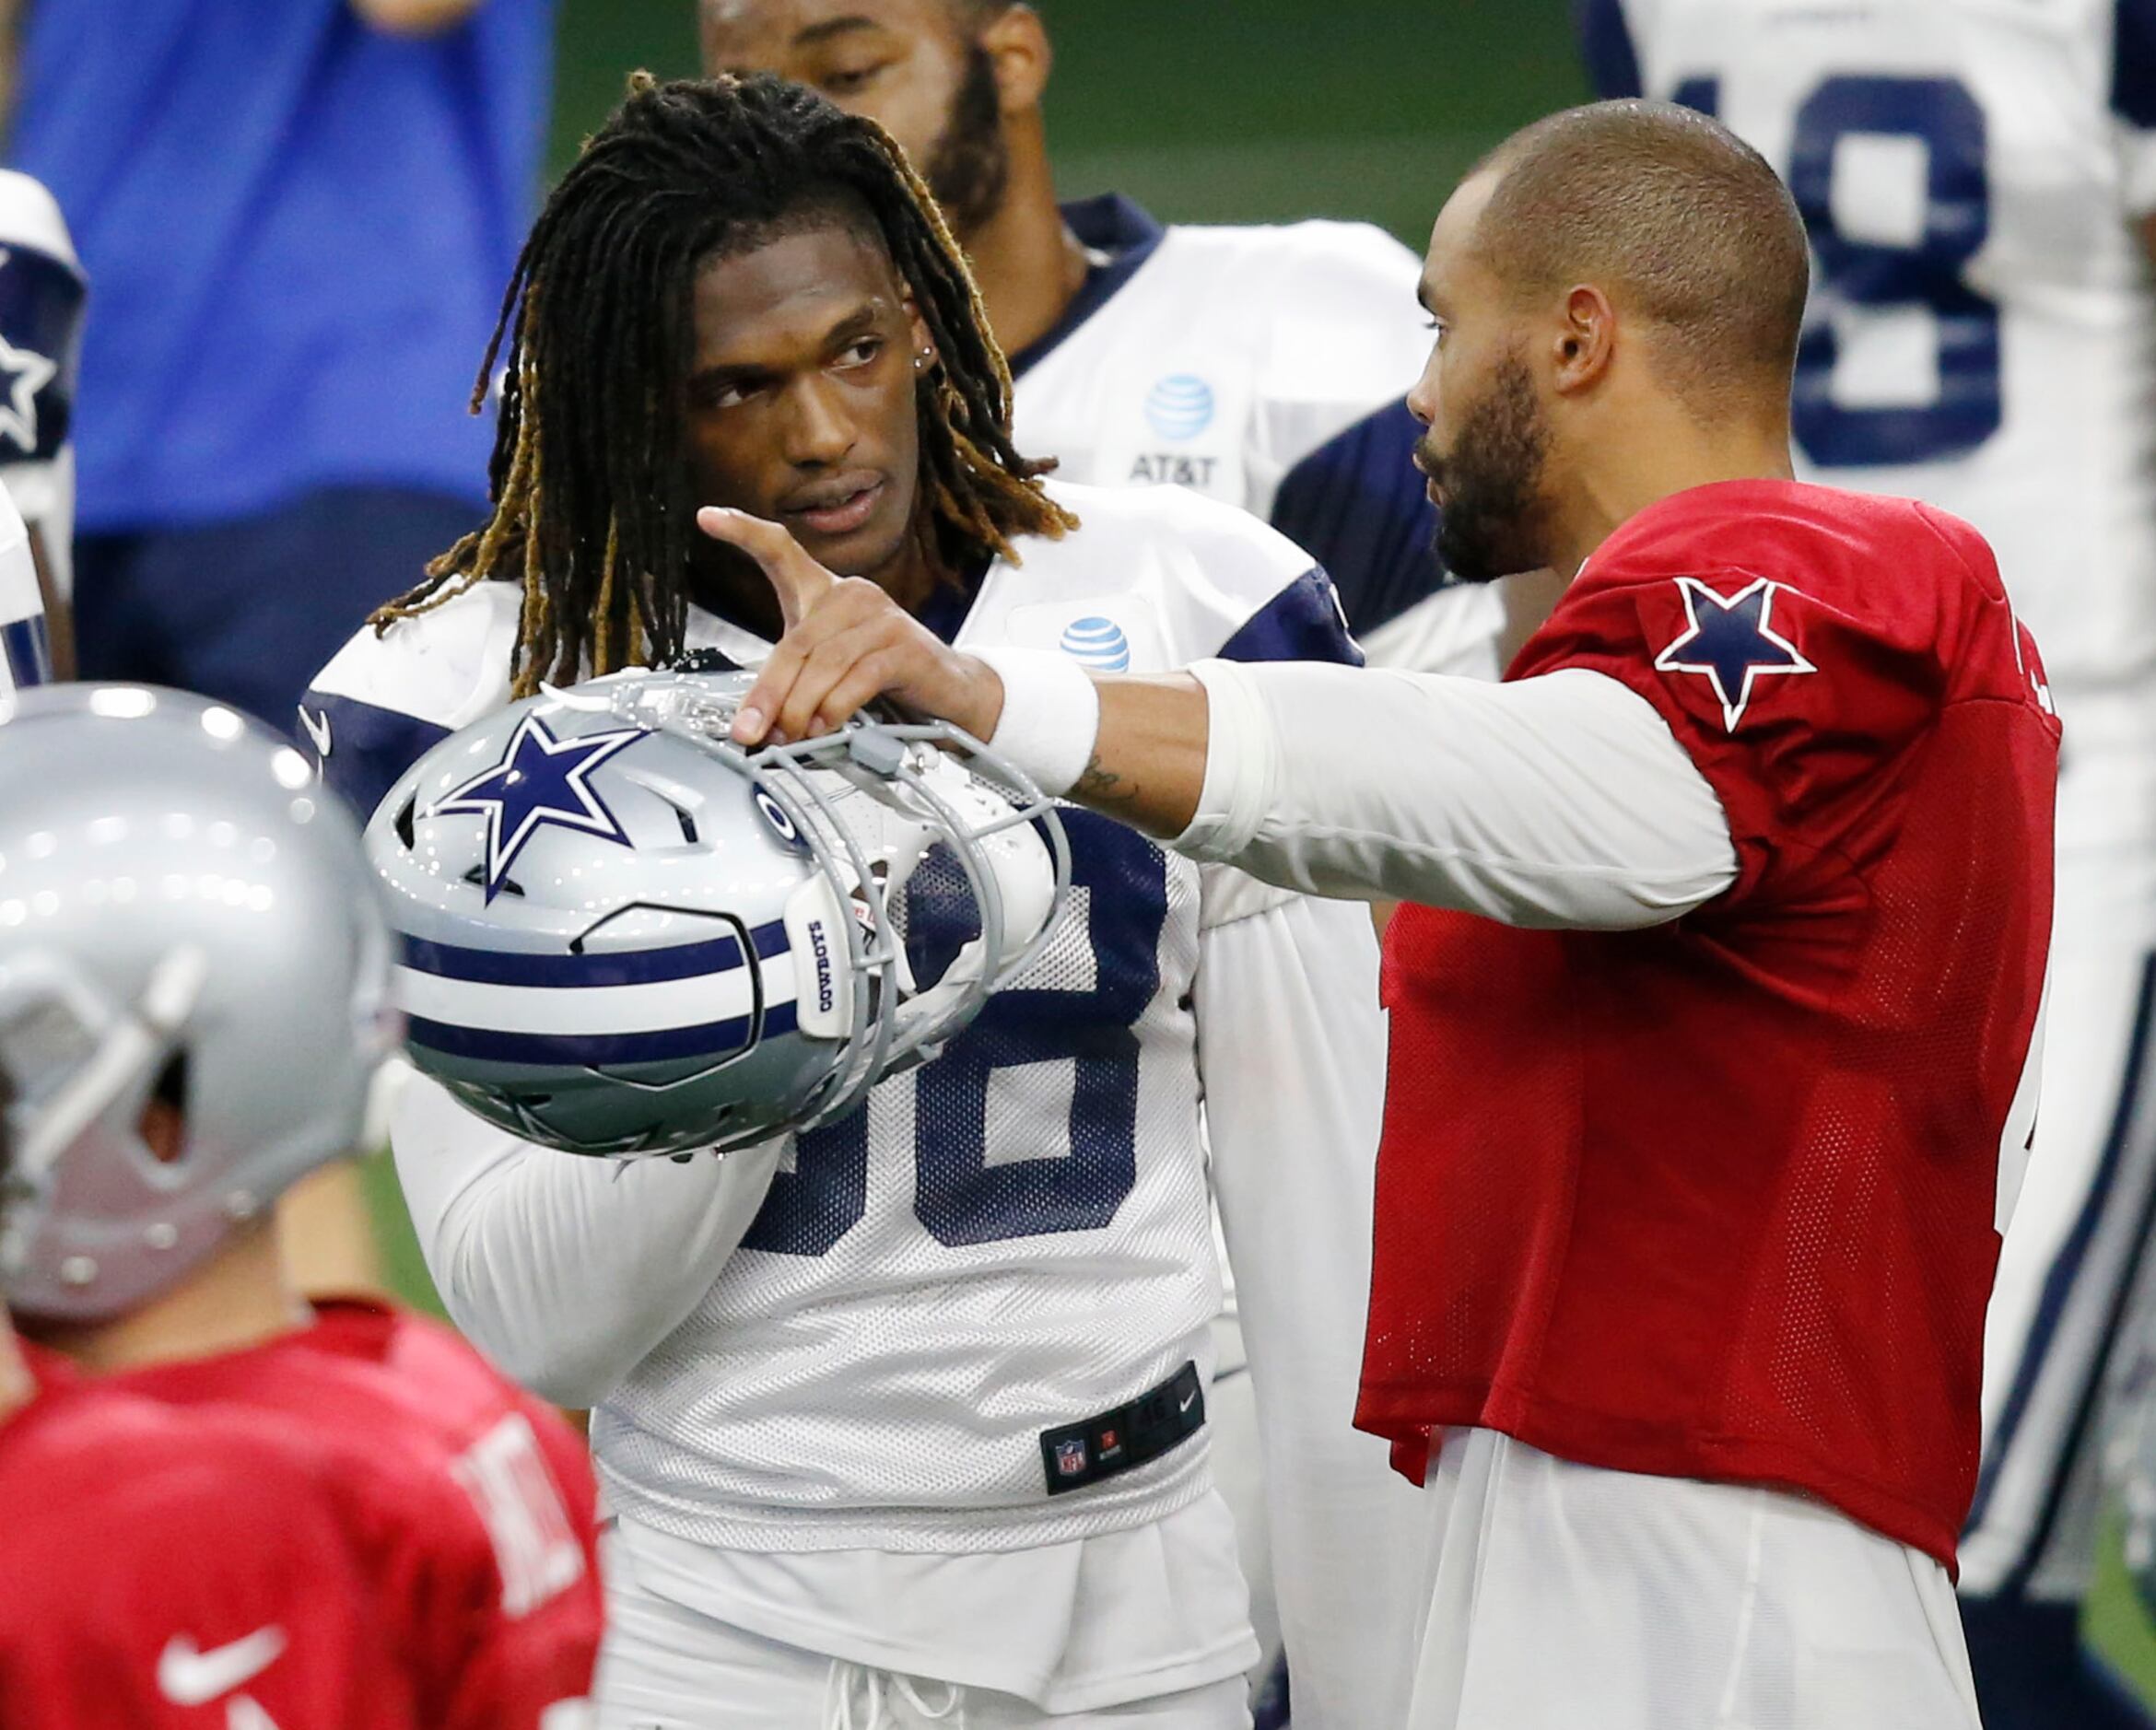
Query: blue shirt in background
x=297, y=232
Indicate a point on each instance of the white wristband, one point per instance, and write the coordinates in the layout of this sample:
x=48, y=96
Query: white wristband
x=1051, y=714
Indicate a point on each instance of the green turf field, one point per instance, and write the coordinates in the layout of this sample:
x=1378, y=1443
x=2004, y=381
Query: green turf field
x=1248, y=110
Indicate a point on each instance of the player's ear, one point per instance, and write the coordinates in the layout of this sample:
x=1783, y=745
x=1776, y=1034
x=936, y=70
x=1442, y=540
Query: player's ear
x=917, y=335
x=1017, y=45
x=1583, y=341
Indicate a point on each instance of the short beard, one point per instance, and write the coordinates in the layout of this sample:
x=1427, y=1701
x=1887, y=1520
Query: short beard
x=968, y=166
x=1497, y=521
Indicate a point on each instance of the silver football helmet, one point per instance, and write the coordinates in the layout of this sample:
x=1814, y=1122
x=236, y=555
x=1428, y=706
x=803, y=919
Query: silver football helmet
x=624, y=935
x=180, y=910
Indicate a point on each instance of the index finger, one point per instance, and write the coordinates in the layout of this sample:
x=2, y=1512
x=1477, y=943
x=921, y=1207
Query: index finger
x=799, y=581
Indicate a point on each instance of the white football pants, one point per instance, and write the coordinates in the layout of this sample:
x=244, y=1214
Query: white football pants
x=1565, y=1596
x=665, y=1667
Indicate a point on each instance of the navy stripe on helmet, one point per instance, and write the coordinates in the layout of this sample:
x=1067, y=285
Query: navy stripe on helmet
x=489, y=1044
x=27, y=652
x=642, y=966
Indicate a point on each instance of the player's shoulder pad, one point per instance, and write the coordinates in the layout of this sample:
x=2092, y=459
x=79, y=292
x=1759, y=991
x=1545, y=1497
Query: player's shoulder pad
x=387, y=696
x=1329, y=306
x=1758, y=609
x=1272, y=260
x=1221, y=582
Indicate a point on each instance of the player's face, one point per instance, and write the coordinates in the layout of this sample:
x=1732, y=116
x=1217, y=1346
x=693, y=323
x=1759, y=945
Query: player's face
x=801, y=397
x=907, y=65
x=1486, y=444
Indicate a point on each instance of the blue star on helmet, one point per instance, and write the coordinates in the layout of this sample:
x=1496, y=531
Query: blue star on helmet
x=1731, y=641
x=540, y=782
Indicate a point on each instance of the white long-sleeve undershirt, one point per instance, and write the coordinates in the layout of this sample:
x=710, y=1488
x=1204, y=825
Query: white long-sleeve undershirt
x=565, y=1271
x=1558, y=801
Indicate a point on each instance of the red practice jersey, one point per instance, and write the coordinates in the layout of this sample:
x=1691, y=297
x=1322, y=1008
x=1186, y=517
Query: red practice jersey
x=189, y=1570
x=1720, y=1199
x=481, y=1499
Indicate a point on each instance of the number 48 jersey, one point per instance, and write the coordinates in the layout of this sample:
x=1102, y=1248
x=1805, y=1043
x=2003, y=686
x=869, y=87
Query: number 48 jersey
x=1981, y=333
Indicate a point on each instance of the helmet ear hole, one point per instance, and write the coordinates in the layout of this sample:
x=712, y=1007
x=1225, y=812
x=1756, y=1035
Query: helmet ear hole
x=164, y=1118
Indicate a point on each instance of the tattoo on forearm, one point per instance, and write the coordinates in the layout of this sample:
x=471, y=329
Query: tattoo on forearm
x=1104, y=787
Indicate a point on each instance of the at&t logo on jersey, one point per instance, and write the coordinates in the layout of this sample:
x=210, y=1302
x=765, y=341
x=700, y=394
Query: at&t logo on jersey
x=1178, y=408
x=1098, y=643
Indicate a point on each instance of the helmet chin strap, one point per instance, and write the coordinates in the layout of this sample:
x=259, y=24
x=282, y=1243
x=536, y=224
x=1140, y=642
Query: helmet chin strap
x=136, y=1041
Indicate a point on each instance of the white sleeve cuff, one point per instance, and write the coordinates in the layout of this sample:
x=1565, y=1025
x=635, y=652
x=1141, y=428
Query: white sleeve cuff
x=1239, y=768
x=1051, y=715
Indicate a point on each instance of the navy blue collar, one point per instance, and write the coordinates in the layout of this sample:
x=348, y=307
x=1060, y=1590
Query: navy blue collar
x=1112, y=226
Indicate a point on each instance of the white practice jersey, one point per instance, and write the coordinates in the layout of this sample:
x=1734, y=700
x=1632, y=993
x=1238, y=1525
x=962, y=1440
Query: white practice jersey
x=41, y=294
x=1013, y=1239
x=1982, y=333
x=1267, y=366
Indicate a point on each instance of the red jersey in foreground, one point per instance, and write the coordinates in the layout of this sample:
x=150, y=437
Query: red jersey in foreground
x=481, y=1499
x=163, y=1568
x=1719, y=1199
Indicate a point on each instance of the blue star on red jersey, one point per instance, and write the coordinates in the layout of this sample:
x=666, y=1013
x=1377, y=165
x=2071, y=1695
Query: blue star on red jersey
x=540, y=780
x=1732, y=641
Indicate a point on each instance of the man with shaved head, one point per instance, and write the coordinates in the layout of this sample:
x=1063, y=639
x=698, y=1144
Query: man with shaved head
x=1714, y=1024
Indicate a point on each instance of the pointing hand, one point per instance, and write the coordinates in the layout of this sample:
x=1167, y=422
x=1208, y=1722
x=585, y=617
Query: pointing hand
x=846, y=643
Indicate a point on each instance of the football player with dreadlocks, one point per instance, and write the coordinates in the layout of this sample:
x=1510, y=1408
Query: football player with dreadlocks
x=908, y=1408
x=1262, y=363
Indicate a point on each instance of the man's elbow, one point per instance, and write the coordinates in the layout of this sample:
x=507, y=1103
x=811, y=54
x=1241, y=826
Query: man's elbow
x=560, y=1368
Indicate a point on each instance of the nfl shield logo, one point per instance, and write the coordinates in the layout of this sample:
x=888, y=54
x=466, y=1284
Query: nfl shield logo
x=1069, y=1458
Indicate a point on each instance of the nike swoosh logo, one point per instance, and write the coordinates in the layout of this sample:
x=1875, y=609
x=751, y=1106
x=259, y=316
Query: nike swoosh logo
x=317, y=723
x=189, y=1677
x=1188, y=1400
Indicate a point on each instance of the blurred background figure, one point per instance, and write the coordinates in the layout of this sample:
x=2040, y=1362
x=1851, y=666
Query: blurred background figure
x=296, y=220
x=41, y=342
x=194, y=1018
x=275, y=1612
x=1980, y=187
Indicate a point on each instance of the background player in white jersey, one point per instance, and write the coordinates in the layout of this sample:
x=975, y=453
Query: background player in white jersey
x=1263, y=365
x=1979, y=184
x=836, y=1418
x=41, y=294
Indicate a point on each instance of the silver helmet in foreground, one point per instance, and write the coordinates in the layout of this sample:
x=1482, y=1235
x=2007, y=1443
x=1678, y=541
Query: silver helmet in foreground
x=624, y=935
x=183, y=915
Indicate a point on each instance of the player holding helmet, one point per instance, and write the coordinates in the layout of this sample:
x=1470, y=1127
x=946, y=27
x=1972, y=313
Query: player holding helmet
x=887, y=1444
x=193, y=999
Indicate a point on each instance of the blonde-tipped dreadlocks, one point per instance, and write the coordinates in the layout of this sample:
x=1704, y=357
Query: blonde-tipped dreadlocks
x=592, y=507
